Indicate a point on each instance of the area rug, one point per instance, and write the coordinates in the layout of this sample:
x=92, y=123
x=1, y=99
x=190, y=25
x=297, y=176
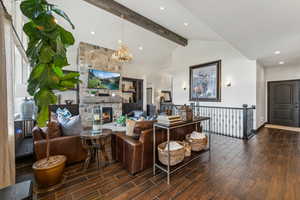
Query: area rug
x=288, y=128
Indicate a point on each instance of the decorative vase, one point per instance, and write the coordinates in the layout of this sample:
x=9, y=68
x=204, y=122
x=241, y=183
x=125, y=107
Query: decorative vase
x=97, y=118
x=27, y=109
x=49, y=172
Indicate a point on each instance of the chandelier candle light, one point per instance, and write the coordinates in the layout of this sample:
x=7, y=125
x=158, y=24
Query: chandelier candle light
x=122, y=54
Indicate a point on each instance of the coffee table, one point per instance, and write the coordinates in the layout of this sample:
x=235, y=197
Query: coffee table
x=94, y=142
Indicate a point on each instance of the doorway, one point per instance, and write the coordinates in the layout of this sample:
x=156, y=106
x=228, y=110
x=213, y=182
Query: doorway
x=283, y=103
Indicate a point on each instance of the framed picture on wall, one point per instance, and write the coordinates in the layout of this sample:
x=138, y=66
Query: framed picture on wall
x=166, y=96
x=205, y=82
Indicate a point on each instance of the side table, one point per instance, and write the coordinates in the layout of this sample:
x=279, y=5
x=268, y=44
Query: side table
x=94, y=142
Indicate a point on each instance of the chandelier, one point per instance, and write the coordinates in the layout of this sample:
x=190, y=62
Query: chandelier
x=122, y=54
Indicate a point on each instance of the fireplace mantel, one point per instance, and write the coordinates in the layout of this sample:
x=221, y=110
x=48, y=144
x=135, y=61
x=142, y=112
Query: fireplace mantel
x=100, y=100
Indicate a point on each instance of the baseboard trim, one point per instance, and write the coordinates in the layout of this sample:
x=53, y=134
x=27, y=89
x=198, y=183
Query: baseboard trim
x=259, y=128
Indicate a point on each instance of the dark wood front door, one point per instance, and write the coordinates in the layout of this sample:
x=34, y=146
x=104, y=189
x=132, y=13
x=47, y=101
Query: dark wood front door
x=284, y=103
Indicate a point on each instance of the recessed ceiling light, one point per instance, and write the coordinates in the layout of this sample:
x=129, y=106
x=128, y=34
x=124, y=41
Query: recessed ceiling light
x=186, y=23
x=281, y=62
x=277, y=52
x=162, y=8
x=93, y=32
x=141, y=48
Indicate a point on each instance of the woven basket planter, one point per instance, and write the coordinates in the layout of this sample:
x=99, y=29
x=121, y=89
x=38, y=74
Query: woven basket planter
x=176, y=156
x=197, y=144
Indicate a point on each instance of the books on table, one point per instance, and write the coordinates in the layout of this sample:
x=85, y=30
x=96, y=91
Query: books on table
x=169, y=120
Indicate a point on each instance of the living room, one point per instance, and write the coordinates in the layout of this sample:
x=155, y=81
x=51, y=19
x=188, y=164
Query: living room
x=130, y=100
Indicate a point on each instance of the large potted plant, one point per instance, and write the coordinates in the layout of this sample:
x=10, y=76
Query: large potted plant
x=47, y=47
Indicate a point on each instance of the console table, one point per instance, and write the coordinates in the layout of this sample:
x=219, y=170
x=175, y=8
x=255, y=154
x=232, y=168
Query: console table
x=195, y=155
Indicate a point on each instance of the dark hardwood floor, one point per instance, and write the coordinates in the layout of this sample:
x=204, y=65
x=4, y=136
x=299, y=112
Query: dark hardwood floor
x=265, y=167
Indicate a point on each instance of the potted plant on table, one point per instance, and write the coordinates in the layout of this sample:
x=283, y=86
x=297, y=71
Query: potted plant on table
x=46, y=51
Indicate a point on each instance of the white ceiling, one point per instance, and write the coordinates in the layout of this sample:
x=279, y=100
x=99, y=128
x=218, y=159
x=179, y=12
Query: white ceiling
x=108, y=30
x=257, y=28
x=107, y=27
x=172, y=17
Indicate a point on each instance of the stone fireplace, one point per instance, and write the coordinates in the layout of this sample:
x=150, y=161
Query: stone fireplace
x=95, y=57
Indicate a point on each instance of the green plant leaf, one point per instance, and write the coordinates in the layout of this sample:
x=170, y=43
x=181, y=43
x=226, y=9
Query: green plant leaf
x=63, y=15
x=46, y=54
x=31, y=31
x=71, y=75
x=60, y=61
x=67, y=84
x=32, y=87
x=32, y=8
x=37, y=72
x=58, y=71
x=45, y=21
x=42, y=117
x=43, y=99
x=33, y=51
x=66, y=37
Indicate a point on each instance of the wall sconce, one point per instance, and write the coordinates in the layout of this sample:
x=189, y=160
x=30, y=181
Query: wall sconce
x=228, y=83
x=184, y=86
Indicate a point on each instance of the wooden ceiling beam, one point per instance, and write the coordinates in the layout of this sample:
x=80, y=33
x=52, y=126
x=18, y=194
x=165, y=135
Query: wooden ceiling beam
x=134, y=17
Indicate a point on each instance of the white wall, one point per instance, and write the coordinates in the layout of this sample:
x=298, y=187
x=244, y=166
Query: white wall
x=153, y=76
x=235, y=68
x=282, y=72
x=261, y=117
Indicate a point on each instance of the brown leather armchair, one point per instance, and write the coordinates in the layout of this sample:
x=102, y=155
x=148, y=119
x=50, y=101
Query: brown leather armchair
x=70, y=146
x=136, y=155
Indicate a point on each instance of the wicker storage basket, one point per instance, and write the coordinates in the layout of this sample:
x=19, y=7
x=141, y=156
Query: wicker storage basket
x=197, y=144
x=176, y=156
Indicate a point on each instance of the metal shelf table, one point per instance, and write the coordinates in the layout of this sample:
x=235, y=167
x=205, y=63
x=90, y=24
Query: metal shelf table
x=195, y=155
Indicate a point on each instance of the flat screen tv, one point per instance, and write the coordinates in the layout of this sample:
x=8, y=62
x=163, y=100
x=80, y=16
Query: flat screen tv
x=98, y=79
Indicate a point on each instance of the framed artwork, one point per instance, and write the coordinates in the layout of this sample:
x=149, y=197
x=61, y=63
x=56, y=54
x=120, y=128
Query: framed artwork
x=205, y=82
x=166, y=96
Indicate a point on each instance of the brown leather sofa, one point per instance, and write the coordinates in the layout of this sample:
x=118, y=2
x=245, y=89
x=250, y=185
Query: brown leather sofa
x=136, y=154
x=70, y=146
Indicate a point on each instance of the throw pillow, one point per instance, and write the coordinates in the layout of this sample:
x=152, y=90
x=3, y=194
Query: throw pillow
x=130, y=124
x=63, y=114
x=72, y=126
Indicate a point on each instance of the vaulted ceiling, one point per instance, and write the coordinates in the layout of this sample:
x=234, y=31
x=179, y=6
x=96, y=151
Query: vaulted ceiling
x=257, y=28
x=107, y=27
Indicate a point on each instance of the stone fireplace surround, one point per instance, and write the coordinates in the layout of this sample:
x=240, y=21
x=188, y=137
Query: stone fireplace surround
x=95, y=57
